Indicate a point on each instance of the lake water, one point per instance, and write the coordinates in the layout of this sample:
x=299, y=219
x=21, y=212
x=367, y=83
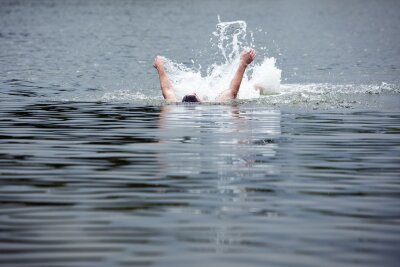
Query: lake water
x=96, y=170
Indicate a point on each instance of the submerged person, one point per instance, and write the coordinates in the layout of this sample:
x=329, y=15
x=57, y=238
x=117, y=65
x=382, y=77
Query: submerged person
x=246, y=57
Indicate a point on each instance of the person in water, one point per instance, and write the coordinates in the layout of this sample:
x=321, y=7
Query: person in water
x=246, y=57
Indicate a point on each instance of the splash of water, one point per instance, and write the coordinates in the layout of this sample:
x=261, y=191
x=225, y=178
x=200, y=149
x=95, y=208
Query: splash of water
x=231, y=39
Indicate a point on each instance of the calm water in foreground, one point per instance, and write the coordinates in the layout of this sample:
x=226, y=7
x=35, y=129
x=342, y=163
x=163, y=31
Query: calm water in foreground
x=87, y=184
x=95, y=170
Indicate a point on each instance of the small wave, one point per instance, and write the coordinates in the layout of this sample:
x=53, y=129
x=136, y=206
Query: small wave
x=313, y=95
x=111, y=96
x=326, y=88
x=324, y=95
x=126, y=95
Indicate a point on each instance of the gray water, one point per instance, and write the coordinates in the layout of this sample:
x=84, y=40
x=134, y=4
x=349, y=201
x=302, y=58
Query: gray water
x=96, y=170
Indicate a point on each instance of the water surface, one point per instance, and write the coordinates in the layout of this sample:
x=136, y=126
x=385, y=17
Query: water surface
x=96, y=170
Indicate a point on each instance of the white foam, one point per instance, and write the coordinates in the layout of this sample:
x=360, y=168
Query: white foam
x=126, y=94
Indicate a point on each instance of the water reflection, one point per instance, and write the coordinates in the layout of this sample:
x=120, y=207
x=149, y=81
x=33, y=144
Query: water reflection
x=219, y=151
x=218, y=136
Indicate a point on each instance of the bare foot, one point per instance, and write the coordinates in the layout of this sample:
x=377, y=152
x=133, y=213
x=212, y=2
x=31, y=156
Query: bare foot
x=247, y=56
x=158, y=62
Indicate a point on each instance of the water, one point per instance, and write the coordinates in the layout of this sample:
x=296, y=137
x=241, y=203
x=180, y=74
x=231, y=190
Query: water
x=96, y=170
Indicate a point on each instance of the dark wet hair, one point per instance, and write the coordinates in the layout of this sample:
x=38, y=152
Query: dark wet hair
x=190, y=98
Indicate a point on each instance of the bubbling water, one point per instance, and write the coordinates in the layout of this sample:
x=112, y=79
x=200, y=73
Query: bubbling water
x=231, y=39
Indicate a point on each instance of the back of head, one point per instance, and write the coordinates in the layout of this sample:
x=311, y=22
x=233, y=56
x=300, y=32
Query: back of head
x=190, y=98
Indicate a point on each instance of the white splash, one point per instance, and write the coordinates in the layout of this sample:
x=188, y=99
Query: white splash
x=260, y=78
x=266, y=77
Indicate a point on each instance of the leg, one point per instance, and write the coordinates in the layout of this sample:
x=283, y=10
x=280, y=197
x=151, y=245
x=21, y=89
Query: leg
x=246, y=57
x=165, y=84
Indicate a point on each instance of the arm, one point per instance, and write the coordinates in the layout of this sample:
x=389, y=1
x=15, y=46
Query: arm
x=246, y=57
x=165, y=84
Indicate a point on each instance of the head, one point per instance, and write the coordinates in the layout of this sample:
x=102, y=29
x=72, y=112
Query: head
x=193, y=98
